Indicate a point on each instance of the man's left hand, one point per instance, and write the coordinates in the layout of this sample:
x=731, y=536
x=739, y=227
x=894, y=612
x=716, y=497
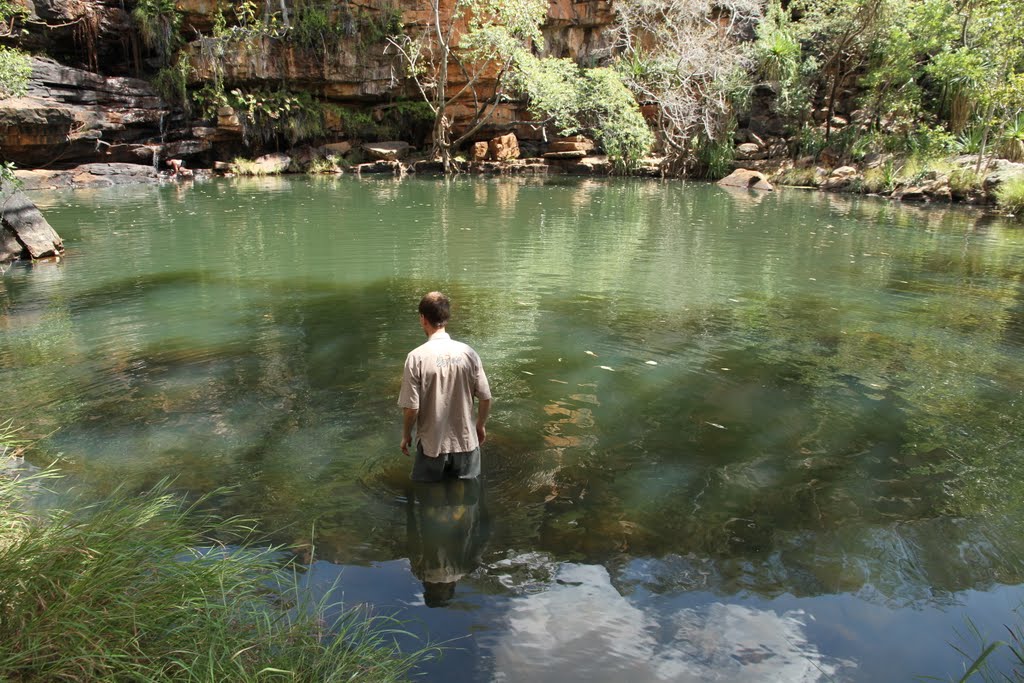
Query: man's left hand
x=406, y=440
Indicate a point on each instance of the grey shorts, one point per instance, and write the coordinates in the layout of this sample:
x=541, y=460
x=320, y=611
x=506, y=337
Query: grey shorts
x=461, y=465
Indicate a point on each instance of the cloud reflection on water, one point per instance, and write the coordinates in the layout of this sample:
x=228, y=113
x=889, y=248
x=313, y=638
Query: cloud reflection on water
x=582, y=628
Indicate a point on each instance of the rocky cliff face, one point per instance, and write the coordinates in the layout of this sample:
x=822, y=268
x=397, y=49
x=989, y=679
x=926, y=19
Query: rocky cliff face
x=71, y=116
x=91, y=99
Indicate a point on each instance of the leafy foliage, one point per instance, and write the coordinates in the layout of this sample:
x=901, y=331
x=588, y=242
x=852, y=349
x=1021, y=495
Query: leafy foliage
x=322, y=26
x=15, y=70
x=158, y=22
x=266, y=114
x=7, y=177
x=677, y=55
x=10, y=12
x=482, y=39
x=172, y=82
x=591, y=100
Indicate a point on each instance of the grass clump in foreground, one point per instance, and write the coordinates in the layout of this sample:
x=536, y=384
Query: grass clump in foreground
x=137, y=588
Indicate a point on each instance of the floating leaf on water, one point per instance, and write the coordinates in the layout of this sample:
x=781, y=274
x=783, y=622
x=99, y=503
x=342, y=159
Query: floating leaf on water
x=605, y=367
x=527, y=372
x=590, y=353
x=715, y=424
x=652, y=362
x=726, y=369
x=557, y=381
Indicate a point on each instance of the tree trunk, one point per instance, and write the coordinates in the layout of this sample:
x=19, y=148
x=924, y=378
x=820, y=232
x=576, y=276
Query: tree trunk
x=984, y=137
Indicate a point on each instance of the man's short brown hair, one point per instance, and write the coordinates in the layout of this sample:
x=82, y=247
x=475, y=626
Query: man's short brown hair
x=436, y=308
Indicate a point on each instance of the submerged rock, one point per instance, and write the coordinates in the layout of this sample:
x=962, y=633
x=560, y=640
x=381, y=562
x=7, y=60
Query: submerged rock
x=24, y=233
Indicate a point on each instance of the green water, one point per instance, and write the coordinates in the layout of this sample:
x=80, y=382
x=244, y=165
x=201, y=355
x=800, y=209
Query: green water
x=751, y=436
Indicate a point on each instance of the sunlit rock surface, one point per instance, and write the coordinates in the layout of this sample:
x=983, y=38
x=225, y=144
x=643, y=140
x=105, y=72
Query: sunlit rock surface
x=24, y=233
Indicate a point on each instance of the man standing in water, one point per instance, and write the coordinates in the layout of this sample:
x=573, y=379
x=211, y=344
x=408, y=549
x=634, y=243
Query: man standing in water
x=440, y=380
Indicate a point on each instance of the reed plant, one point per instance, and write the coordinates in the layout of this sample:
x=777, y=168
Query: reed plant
x=148, y=588
x=982, y=667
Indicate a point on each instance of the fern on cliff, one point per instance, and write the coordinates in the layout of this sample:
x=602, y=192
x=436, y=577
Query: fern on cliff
x=158, y=22
x=15, y=70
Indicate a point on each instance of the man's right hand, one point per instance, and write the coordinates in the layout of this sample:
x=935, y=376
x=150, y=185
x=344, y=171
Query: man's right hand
x=481, y=433
x=406, y=440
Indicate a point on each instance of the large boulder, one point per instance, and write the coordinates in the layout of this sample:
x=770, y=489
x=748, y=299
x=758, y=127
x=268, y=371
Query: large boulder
x=742, y=177
x=573, y=143
x=844, y=178
x=503, y=147
x=273, y=164
x=750, y=151
x=478, y=151
x=999, y=172
x=88, y=175
x=386, y=151
x=24, y=233
x=338, y=149
x=567, y=154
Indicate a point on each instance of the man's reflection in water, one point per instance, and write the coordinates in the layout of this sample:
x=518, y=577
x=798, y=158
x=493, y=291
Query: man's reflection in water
x=446, y=533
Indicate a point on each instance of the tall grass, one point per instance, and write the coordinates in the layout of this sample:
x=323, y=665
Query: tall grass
x=248, y=167
x=145, y=588
x=978, y=667
x=1010, y=196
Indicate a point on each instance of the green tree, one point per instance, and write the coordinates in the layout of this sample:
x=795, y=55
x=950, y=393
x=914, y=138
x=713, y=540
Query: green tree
x=684, y=57
x=15, y=68
x=596, y=101
x=465, y=55
x=778, y=59
x=843, y=34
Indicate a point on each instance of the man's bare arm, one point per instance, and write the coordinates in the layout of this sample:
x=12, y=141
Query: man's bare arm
x=483, y=411
x=408, y=420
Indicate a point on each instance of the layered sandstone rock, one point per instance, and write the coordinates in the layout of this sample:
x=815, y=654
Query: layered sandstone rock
x=88, y=107
x=71, y=116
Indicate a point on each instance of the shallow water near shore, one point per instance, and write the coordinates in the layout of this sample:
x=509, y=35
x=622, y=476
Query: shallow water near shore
x=736, y=436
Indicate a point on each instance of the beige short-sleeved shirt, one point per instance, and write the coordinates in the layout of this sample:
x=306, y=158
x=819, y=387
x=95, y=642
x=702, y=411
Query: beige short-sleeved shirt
x=440, y=380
